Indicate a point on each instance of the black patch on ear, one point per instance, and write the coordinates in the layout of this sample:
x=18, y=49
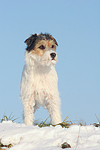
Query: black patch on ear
x=31, y=42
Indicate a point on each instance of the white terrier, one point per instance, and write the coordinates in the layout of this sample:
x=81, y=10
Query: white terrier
x=39, y=78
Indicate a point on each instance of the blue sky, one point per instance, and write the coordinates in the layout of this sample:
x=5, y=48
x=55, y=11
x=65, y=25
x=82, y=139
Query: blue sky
x=76, y=26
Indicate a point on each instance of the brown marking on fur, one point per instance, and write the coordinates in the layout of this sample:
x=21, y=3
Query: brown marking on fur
x=47, y=44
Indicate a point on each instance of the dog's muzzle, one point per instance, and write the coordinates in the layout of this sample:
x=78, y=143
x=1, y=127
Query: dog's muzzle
x=48, y=58
x=53, y=55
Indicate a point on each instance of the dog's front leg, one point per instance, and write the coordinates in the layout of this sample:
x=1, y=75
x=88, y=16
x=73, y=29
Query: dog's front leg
x=53, y=107
x=28, y=111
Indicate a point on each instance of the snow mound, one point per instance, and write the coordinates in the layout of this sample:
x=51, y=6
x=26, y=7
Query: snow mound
x=24, y=137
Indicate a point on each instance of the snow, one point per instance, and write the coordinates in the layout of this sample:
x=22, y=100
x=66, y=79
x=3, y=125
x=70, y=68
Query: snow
x=24, y=137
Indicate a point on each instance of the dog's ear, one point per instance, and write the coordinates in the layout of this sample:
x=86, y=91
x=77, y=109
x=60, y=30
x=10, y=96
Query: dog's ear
x=55, y=41
x=49, y=36
x=30, y=41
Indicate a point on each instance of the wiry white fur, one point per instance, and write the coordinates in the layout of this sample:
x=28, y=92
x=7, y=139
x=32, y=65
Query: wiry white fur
x=39, y=86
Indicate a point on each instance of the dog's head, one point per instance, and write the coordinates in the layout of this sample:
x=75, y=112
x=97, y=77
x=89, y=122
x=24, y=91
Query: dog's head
x=42, y=48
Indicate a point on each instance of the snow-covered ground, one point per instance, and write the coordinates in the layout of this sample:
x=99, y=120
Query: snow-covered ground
x=24, y=137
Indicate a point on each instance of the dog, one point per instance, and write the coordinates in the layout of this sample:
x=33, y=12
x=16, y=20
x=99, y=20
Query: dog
x=39, y=78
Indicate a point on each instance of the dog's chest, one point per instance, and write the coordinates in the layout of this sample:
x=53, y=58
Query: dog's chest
x=41, y=86
x=44, y=82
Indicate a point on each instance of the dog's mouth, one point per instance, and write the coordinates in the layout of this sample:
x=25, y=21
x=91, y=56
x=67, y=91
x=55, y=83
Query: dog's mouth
x=52, y=59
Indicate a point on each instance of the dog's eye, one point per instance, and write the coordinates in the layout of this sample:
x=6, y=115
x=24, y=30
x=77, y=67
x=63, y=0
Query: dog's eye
x=42, y=47
x=52, y=46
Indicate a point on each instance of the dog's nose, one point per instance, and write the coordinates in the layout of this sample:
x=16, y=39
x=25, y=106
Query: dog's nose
x=53, y=55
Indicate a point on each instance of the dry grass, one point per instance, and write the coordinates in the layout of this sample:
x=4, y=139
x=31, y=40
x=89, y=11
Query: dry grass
x=6, y=118
x=64, y=124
